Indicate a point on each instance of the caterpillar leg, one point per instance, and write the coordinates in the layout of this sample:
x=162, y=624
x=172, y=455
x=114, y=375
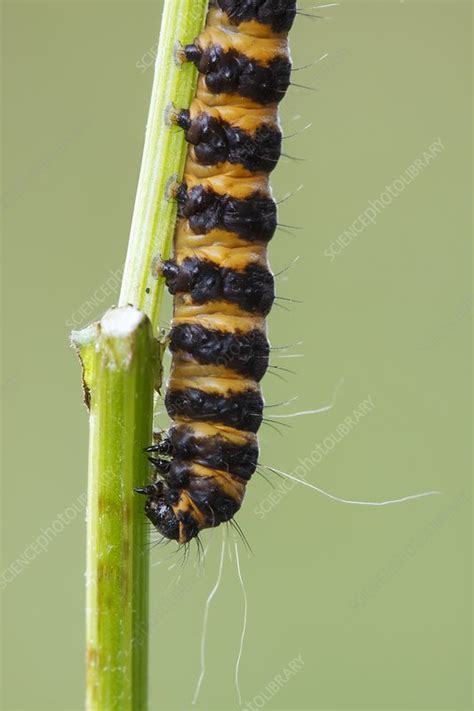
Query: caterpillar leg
x=162, y=444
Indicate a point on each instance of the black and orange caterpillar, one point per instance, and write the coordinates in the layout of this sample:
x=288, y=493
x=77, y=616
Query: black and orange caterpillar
x=220, y=276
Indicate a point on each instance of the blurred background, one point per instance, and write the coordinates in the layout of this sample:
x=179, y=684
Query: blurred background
x=350, y=607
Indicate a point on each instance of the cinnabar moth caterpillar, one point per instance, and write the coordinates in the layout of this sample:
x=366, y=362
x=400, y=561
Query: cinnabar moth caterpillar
x=220, y=277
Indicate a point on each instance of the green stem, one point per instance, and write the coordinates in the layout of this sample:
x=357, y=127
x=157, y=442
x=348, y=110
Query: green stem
x=163, y=161
x=118, y=358
x=121, y=362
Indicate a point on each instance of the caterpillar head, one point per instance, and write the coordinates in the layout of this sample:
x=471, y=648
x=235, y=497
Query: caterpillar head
x=159, y=510
x=171, y=512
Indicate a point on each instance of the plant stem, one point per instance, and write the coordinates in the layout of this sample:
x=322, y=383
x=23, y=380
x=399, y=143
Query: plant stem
x=121, y=363
x=163, y=161
x=119, y=372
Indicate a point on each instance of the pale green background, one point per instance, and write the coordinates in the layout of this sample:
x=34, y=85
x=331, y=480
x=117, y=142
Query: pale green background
x=377, y=601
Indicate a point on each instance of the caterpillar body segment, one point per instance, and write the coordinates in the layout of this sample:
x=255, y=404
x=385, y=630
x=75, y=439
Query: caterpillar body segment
x=219, y=275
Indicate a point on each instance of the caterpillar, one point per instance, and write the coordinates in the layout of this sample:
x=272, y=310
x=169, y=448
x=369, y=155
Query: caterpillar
x=219, y=275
